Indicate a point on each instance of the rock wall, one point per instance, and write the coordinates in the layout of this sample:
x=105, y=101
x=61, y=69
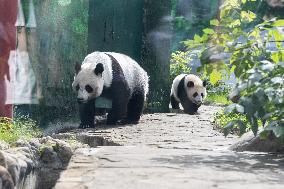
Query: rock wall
x=34, y=164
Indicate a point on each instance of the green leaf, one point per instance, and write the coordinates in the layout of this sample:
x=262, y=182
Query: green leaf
x=215, y=77
x=214, y=22
x=247, y=16
x=230, y=109
x=277, y=80
x=275, y=57
x=240, y=108
x=197, y=38
x=276, y=128
x=229, y=127
x=242, y=127
x=208, y=31
x=278, y=23
x=254, y=125
x=235, y=23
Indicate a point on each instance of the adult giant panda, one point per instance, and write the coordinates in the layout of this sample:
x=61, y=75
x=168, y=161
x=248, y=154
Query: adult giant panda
x=116, y=77
x=189, y=91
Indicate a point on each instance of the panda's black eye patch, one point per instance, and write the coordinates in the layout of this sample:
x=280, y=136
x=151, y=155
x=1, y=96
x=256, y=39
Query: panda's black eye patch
x=88, y=88
x=202, y=95
x=77, y=87
x=195, y=94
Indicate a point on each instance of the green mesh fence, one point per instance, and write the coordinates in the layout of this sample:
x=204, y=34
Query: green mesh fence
x=69, y=29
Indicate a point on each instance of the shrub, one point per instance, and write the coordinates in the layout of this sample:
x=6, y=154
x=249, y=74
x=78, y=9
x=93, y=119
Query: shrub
x=221, y=120
x=179, y=64
x=217, y=98
x=262, y=98
x=259, y=70
x=18, y=128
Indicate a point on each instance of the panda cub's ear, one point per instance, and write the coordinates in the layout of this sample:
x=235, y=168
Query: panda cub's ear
x=204, y=83
x=190, y=84
x=99, y=69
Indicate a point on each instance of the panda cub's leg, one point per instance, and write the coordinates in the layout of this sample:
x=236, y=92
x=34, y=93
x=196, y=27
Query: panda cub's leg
x=174, y=103
x=135, y=106
x=87, y=114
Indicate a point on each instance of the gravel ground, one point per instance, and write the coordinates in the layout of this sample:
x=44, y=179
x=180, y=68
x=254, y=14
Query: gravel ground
x=168, y=151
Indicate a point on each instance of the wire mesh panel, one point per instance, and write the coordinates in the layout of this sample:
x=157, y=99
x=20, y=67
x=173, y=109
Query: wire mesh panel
x=116, y=26
x=55, y=33
x=157, y=35
x=140, y=29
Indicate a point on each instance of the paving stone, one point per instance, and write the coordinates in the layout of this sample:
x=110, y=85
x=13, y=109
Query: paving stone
x=169, y=151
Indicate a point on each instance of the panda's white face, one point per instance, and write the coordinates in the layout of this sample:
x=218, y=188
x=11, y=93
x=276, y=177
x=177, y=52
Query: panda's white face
x=88, y=83
x=195, y=89
x=197, y=94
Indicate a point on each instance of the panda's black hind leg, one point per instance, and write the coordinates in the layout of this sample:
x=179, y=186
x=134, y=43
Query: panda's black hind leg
x=87, y=114
x=135, y=107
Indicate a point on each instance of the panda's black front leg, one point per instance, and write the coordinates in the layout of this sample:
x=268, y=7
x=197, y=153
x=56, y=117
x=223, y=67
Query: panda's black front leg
x=87, y=114
x=188, y=106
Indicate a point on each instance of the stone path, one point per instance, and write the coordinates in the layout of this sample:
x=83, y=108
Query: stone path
x=169, y=151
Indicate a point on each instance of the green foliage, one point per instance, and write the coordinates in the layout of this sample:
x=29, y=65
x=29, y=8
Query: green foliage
x=227, y=123
x=263, y=97
x=217, y=98
x=179, y=64
x=217, y=93
x=19, y=128
x=259, y=71
x=200, y=14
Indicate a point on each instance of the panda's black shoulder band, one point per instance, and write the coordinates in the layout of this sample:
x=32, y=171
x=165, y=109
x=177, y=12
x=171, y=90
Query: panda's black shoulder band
x=181, y=89
x=116, y=69
x=112, y=58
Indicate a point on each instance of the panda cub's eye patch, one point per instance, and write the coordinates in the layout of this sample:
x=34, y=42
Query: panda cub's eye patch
x=77, y=87
x=195, y=94
x=88, y=88
x=202, y=95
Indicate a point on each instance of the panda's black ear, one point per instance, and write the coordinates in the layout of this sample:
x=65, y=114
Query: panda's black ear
x=204, y=83
x=190, y=84
x=99, y=69
x=77, y=68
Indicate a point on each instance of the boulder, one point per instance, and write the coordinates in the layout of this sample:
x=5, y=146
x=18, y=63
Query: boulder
x=249, y=142
x=6, y=181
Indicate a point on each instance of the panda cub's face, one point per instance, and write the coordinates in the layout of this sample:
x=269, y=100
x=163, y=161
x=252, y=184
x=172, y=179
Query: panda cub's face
x=88, y=82
x=196, y=92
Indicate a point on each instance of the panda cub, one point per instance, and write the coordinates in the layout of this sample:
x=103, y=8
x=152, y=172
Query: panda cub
x=189, y=91
x=116, y=77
